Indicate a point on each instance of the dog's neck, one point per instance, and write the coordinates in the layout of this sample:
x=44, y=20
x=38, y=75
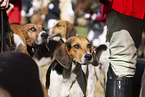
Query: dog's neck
x=75, y=67
x=74, y=70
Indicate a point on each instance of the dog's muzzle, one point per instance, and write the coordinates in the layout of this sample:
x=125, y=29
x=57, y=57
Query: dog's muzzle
x=88, y=57
x=44, y=35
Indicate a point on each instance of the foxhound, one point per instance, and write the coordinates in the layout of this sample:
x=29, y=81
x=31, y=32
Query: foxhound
x=28, y=36
x=65, y=76
x=64, y=29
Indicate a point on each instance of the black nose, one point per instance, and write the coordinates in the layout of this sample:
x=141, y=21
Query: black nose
x=44, y=35
x=88, y=57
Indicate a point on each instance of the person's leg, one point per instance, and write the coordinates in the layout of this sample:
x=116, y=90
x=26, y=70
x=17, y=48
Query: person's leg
x=124, y=37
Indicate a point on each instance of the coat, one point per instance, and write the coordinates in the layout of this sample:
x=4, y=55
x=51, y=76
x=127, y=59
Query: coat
x=134, y=8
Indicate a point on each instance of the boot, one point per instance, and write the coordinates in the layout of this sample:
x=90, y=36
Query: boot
x=118, y=86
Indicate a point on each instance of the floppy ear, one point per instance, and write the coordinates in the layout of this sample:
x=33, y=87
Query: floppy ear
x=28, y=41
x=63, y=57
x=100, y=49
x=96, y=55
x=71, y=31
x=95, y=60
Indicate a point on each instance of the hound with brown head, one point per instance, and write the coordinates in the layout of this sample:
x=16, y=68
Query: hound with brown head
x=65, y=76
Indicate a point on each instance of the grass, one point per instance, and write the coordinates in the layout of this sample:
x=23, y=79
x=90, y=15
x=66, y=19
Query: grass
x=81, y=30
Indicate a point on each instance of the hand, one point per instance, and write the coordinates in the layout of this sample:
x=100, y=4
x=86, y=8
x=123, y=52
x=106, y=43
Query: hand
x=4, y=4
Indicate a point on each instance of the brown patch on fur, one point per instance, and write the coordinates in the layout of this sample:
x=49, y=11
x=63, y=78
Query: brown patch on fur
x=65, y=28
x=17, y=29
x=31, y=36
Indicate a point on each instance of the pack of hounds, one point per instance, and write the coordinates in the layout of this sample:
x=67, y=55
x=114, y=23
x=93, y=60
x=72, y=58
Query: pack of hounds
x=63, y=52
x=74, y=64
x=66, y=55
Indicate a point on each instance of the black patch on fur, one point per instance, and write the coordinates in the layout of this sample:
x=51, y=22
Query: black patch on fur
x=48, y=77
x=68, y=44
x=42, y=51
x=54, y=66
x=59, y=69
x=30, y=51
x=100, y=48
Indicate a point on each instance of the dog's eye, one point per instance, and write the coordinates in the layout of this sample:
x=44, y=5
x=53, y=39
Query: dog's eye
x=33, y=29
x=76, y=46
x=57, y=25
x=89, y=46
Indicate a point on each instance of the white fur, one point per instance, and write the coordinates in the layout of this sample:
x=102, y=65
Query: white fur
x=94, y=73
x=40, y=39
x=60, y=87
x=44, y=61
x=18, y=40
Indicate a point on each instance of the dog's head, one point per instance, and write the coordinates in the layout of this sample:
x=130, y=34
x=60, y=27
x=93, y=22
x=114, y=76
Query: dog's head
x=75, y=49
x=35, y=34
x=64, y=29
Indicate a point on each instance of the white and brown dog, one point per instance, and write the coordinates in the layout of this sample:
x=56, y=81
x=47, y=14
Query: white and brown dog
x=65, y=76
x=64, y=29
x=94, y=72
x=28, y=36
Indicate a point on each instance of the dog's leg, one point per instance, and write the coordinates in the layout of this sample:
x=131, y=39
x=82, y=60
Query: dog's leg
x=98, y=75
x=79, y=87
x=76, y=91
x=91, y=81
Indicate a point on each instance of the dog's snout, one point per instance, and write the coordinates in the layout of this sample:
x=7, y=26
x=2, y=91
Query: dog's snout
x=88, y=57
x=44, y=35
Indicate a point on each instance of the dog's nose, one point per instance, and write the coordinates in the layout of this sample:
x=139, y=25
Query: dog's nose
x=88, y=57
x=44, y=35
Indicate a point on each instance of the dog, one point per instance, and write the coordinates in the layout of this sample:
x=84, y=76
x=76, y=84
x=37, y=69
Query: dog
x=64, y=29
x=19, y=76
x=65, y=76
x=93, y=73
x=61, y=31
x=67, y=10
x=27, y=37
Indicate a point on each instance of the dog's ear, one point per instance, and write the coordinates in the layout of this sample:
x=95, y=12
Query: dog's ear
x=97, y=53
x=95, y=60
x=63, y=57
x=100, y=49
x=24, y=30
x=71, y=31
